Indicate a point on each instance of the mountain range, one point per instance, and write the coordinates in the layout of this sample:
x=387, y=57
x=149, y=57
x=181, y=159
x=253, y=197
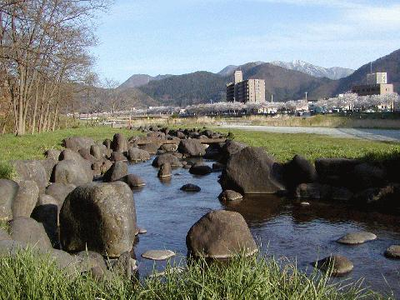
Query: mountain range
x=286, y=81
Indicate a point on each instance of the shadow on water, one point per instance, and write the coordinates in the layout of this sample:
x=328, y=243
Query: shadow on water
x=283, y=228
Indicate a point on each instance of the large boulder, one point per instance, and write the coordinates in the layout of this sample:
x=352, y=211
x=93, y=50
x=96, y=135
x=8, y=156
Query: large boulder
x=99, y=217
x=133, y=181
x=119, y=143
x=118, y=156
x=166, y=158
x=138, y=155
x=299, y=170
x=323, y=191
x=72, y=172
x=59, y=191
x=26, y=199
x=28, y=230
x=8, y=192
x=191, y=147
x=151, y=148
x=220, y=234
x=47, y=214
x=252, y=171
x=230, y=148
x=118, y=170
x=336, y=171
x=76, y=143
x=98, y=151
x=48, y=165
x=31, y=170
x=367, y=176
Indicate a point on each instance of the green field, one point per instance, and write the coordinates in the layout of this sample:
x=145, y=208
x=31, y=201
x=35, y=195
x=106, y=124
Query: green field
x=284, y=146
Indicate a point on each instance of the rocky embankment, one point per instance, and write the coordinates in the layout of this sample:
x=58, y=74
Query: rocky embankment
x=77, y=204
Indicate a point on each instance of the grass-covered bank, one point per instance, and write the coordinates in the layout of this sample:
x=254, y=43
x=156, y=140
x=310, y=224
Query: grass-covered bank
x=27, y=276
x=284, y=146
x=32, y=146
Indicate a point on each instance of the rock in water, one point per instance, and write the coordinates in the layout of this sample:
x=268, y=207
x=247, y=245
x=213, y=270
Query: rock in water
x=252, y=171
x=356, y=238
x=166, y=158
x=118, y=170
x=228, y=195
x=119, y=143
x=99, y=217
x=393, y=252
x=158, y=254
x=200, y=169
x=190, y=188
x=339, y=265
x=165, y=171
x=191, y=147
x=220, y=234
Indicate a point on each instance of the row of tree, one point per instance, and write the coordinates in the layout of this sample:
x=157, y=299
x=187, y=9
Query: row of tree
x=44, y=59
x=347, y=101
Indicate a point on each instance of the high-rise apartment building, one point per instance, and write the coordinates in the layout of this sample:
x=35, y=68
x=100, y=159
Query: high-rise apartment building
x=250, y=90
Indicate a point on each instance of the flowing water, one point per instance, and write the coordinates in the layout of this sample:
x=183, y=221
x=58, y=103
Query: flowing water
x=282, y=228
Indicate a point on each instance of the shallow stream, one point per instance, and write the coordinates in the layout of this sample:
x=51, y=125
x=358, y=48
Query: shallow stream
x=283, y=229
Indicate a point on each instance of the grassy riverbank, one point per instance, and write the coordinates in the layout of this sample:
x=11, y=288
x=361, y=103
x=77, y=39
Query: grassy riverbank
x=282, y=146
x=30, y=277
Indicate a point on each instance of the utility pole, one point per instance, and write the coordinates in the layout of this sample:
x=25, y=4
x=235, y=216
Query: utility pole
x=272, y=98
x=306, y=96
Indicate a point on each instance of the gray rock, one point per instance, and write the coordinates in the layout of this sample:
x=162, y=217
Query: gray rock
x=48, y=165
x=220, y=234
x=229, y=149
x=89, y=260
x=77, y=142
x=151, y=148
x=47, y=215
x=200, y=169
x=218, y=167
x=336, y=171
x=229, y=195
x=118, y=156
x=85, y=153
x=356, y=238
x=53, y=154
x=31, y=170
x=125, y=265
x=299, y=170
x=169, y=147
x=29, y=231
x=166, y=158
x=118, y=170
x=138, y=155
x=60, y=191
x=190, y=188
x=4, y=236
x=99, y=217
x=26, y=199
x=97, y=151
x=322, y=191
x=8, y=192
x=393, y=252
x=72, y=172
x=191, y=147
x=366, y=176
x=158, y=254
x=133, y=181
x=69, y=154
x=119, y=143
x=339, y=265
x=165, y=171
x=252, y=171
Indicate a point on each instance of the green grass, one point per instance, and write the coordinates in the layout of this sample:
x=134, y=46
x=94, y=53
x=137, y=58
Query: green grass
x=33, y=146
x=284, y=146
x=27, y=276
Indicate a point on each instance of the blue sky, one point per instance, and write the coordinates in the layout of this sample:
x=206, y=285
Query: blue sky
x=182, y=36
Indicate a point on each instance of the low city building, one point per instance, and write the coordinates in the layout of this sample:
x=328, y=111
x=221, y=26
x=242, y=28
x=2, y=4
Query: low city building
x=376, y=85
